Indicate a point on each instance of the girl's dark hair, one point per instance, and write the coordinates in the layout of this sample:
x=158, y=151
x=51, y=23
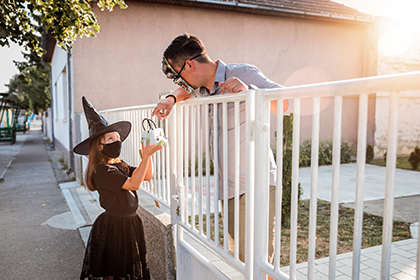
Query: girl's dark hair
x=185, y=47
x=96, y=157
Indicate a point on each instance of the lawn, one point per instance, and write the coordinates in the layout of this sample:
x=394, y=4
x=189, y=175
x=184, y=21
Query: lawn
x=371, y=232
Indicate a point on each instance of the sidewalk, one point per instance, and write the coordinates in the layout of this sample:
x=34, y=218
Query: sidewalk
x=35, y=240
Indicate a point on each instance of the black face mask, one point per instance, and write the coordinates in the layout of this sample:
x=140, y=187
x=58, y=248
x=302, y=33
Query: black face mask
x=112, y=150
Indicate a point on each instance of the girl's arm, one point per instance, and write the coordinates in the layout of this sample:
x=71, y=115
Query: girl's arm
x=149, y=171
x=144, y=171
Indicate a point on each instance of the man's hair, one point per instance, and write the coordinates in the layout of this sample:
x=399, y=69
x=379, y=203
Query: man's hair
x=185, y=47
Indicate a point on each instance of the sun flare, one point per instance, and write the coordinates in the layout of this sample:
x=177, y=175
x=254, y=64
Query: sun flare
x=395, y=42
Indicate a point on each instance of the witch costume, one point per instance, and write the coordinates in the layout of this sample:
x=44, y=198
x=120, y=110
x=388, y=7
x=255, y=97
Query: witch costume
x=116, y=246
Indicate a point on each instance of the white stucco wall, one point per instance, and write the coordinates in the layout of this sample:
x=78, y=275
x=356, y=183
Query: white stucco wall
x=408, y=123
x=121, y=66
x=47, y=124
x=60, y=98
x=409, y=102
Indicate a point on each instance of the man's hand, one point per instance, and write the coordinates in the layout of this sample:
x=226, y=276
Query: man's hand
x=233, y=85
x=164, y=104
x=167, y=103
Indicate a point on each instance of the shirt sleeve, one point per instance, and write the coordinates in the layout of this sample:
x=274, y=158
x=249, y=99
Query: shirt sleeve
x=109, y=177
x=251, y=74
x=131, y=170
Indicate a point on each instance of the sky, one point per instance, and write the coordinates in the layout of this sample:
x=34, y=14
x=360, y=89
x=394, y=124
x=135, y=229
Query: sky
x=8, y=68
x=403, y=9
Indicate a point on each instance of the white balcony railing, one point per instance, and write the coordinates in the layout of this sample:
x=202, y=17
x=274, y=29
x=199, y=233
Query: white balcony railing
x=195, y=197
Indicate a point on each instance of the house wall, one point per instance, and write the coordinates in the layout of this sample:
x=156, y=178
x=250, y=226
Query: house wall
x=60, y=115
x=121, y=66
x=47, y=123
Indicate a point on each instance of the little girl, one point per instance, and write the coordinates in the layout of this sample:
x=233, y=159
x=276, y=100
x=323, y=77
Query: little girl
x=116, y=247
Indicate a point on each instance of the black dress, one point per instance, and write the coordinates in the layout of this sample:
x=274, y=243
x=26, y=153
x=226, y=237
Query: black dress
x=116, y=245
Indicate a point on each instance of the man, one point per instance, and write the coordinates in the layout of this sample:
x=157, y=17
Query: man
x=186, y=62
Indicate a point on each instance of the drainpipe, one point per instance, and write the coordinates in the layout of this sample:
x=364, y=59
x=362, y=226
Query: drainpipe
x=70, y=108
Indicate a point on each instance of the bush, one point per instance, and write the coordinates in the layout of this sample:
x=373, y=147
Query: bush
x=369, y=153
x=348, y=150
x=325, y=152
x=305, y=153
x=414, y=158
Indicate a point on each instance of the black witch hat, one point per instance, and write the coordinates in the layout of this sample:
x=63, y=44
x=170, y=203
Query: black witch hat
x=99, y=126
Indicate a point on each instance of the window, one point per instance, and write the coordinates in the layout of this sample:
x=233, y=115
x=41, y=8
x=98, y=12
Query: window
x=60, y=90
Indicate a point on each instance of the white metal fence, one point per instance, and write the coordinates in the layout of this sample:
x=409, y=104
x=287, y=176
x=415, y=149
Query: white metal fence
x=197, y=124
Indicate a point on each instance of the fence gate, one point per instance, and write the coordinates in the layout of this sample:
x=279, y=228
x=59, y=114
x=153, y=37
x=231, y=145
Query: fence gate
x=202, y=250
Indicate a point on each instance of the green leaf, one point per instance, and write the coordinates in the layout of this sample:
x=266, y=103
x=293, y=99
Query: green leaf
x=22, y=21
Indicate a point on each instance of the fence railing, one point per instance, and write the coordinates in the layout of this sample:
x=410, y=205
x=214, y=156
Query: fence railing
x=358, y=87
x=219, y=144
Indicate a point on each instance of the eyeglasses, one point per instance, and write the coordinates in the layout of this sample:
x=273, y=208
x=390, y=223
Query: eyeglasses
x=182, y=68
x=170, y=72
x=176, y=77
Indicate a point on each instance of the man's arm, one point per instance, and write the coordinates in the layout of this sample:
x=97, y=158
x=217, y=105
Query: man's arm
x=235, y=85
x=167, y=103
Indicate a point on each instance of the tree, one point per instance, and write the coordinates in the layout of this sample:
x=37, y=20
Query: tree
x=30, y=88
x=286, y=208
x=22, y=22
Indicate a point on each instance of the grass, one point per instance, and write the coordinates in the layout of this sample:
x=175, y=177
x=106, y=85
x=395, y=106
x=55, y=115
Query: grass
x=64, y=165
x=212, y=226
x=402, y=163
x=371, y=232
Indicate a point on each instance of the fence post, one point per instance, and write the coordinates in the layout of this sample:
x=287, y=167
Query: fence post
x=174, y=194
x=391, y=160
x=361, y=162
x=338, y=109
x=262, y=142
x=295, y=188
x=250, y=177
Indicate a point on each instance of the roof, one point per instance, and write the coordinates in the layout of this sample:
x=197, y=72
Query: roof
x=314, y=9
x=319, y=7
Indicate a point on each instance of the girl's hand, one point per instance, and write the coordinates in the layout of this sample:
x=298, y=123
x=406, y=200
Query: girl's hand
x=149, y=150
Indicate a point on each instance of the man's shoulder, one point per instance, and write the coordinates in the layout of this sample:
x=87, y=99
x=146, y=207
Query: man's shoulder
x=244, y=71
x=249, y=74
x=241, y=67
